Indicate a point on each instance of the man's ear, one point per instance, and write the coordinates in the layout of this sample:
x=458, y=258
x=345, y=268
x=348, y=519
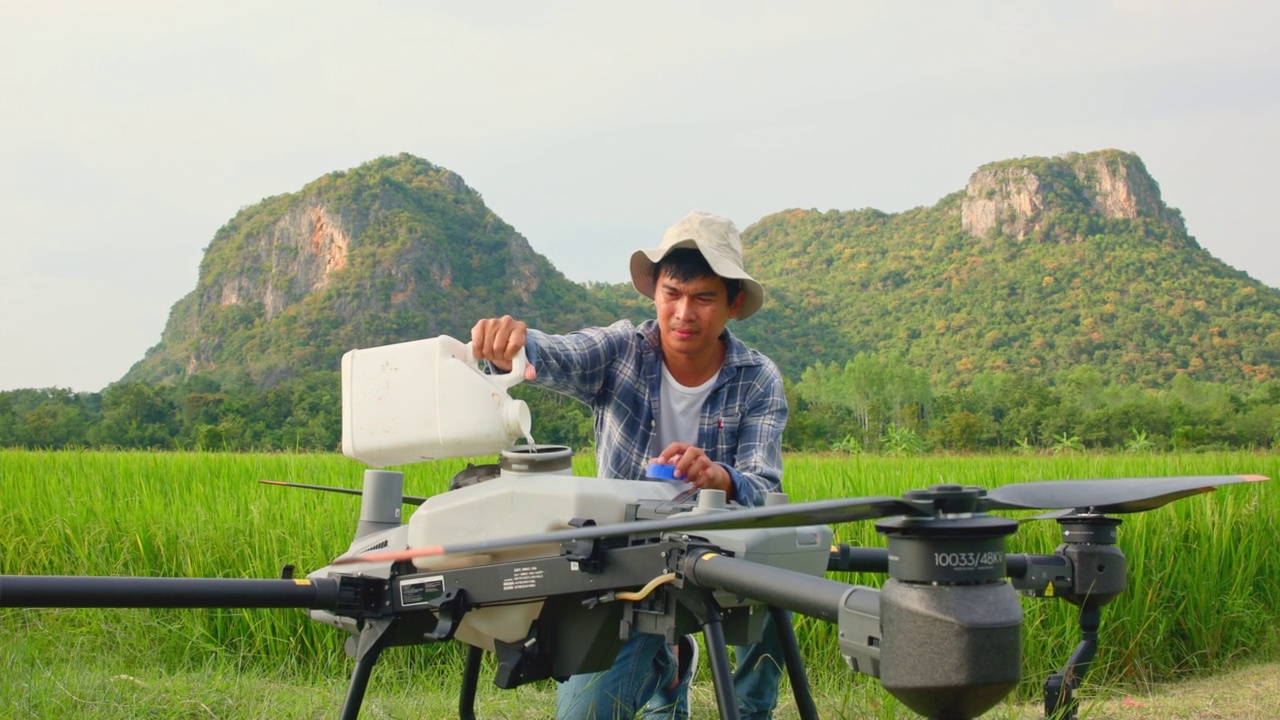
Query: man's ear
x=736, y=305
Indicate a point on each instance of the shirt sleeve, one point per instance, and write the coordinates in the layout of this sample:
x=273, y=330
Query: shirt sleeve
x=577, y=364
x=757, y=466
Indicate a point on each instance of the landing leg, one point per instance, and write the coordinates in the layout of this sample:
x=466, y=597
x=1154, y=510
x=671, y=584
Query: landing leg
x=718, y=659
x=1060, y=702
x=795, y=664
x=373, y=638
x=470, y=680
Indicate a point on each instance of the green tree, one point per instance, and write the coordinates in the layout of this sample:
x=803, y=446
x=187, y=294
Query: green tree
x=135, y=414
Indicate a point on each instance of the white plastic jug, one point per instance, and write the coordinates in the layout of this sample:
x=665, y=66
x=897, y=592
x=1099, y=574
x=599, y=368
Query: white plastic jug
x=427, y=400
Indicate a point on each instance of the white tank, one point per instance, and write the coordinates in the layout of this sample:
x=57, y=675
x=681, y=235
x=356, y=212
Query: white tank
x=533, y=493
x=427, y=400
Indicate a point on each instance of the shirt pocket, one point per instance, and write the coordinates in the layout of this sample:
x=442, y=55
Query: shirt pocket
x=727, y=430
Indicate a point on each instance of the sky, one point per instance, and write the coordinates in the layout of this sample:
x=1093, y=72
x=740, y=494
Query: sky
x=131, y=131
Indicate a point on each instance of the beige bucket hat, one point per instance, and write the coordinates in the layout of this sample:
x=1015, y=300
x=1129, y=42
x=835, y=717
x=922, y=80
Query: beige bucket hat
x=717, y=239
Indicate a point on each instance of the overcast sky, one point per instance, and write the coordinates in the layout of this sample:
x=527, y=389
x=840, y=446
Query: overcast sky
x=131, y=131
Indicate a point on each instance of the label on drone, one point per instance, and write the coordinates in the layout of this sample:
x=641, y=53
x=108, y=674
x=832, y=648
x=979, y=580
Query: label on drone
x=421, y=591
x=968, y=560
x=523, y=578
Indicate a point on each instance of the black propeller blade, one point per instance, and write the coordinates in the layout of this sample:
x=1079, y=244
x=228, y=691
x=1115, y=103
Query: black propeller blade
x=408, y=499
x=1119, y=495
x=820, y=512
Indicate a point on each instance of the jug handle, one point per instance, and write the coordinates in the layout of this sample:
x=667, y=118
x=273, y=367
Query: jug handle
x=508, y=379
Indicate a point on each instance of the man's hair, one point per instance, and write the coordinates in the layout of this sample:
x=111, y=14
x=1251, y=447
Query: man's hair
x=687, y=264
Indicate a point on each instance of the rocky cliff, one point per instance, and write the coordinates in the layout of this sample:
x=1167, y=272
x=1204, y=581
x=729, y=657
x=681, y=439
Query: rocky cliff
x=392, y=250
x=1021, y=198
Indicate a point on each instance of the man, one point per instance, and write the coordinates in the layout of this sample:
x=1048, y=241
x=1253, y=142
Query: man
x=682, y=390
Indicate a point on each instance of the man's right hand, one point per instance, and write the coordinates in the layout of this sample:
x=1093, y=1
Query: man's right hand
x=499, y=340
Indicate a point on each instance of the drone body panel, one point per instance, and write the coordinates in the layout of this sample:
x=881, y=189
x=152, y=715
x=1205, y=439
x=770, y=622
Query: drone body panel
x=522, y=504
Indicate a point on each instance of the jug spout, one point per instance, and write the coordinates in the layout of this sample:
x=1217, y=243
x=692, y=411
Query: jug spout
x=519, y=422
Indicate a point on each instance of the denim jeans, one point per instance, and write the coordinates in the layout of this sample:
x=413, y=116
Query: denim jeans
x=645, y=667
x=644, y=664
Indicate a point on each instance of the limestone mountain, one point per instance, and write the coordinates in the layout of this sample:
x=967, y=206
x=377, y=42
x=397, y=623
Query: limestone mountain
x=393, y=250
x=1039, y=264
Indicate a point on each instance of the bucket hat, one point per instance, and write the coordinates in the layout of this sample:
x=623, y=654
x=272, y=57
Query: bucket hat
x=717, y=239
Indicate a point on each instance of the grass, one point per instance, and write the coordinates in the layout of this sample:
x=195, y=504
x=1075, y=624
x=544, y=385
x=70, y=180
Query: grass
x=1201, y=592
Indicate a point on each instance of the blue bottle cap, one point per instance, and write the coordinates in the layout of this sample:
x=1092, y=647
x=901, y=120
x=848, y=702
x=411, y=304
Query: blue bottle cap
x=661, y=471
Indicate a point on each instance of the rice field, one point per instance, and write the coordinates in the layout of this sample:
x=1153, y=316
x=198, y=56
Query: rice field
x=1202, y=591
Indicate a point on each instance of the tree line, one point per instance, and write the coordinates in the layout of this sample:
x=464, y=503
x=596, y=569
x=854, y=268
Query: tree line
x=869, y=404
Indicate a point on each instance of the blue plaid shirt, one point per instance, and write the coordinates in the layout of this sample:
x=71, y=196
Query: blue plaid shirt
x=617, y=370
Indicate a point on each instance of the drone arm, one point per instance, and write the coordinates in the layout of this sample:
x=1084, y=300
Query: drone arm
x=1041, y=576
x=805, y=594
x=849, y=558
x=855, y=609
x=151, y=592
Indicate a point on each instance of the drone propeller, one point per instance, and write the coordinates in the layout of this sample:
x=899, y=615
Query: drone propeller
x=408, y=499
x=820, y=512
x=1119, y=495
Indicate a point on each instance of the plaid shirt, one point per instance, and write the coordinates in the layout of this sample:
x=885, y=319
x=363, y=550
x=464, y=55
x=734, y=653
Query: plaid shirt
x=617, y=371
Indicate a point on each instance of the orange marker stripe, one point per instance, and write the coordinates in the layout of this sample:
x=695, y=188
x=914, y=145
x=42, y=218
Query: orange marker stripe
x=392, y=555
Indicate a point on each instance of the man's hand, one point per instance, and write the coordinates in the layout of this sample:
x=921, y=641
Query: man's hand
x=499, y=340
x=694, y=467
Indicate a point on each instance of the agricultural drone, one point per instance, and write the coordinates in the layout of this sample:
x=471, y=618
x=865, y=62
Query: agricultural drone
x=551, y=572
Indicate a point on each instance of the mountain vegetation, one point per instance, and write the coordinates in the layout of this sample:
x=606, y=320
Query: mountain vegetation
x=1082, y=271
x=393, y=250
x=1054, y=303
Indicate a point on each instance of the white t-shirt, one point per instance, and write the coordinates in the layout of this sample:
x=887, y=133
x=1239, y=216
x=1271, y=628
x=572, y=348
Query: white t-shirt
x=679, y=408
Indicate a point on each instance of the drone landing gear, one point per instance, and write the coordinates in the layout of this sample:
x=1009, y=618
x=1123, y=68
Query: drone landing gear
x=722, y=676
x=1100, y=575
x=1060, y=702
x=372, y=640
x=718, y=658
x=470, y=681
x=794, y=664
x=378, y=633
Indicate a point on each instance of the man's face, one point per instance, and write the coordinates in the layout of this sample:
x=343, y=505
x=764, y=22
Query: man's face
x=692, y=314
